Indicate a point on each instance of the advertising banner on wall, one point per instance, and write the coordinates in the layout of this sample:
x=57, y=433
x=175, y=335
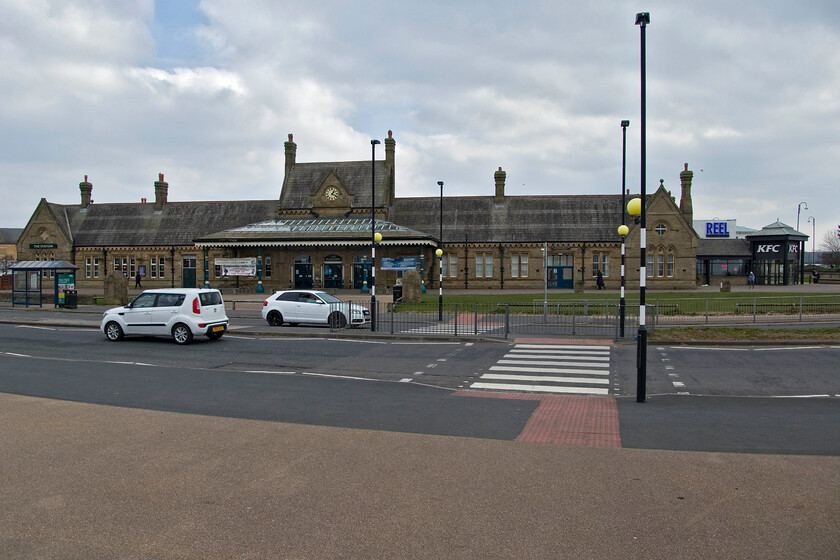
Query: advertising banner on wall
x=237, y=267
x=400, y=263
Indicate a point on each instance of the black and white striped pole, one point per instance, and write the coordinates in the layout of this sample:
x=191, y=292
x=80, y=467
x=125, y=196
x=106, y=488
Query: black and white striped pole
x=374, y=236
x=642, y=20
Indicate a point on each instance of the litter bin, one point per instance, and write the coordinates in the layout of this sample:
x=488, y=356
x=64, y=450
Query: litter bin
x=71, y=299
x=397, y=292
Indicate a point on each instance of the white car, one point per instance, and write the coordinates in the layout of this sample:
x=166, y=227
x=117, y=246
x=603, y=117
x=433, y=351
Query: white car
x=313, y=307
x=181, y=313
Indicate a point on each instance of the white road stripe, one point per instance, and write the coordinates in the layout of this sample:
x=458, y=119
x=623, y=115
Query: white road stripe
x=604, y=358
x=565, y=346
x=539, y=388
x=551, y=363
x=548, y=370
x=546, y=379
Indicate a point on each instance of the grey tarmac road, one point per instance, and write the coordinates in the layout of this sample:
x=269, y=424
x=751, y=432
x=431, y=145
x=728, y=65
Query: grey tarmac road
x=86, y=480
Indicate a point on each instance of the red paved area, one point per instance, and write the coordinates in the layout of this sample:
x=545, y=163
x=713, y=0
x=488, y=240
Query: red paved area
x=568, y=420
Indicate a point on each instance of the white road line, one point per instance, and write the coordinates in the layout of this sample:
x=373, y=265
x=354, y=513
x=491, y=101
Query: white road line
x=604, y=358
x=565, y=346
x=539, y=388
x=546, y=363
x=34, y=327
x=269, y=371
x=519, y=348
x=549, y=370
x=678, y=384
x=17, y=355
x=787, y=348
x=546, y=378
x=710, y=348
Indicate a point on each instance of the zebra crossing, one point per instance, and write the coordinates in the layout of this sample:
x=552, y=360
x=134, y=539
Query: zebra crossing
x=550, y=368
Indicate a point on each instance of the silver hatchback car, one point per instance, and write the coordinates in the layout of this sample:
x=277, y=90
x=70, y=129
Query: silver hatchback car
x=181, y=313
x=313, y=307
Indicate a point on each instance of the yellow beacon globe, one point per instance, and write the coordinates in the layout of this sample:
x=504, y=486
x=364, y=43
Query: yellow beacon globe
x=634, y=207
x=623, y=230
x=439, y=252
x=377, y=237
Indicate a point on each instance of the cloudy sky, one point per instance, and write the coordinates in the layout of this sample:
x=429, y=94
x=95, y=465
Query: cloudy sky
x=747, y=93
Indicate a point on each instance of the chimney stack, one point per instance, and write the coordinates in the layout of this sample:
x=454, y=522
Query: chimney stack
x=390, y=148
x=685, y=200
x=500, y=186
x=161, y=192
x=85, y=188
x=291, y=152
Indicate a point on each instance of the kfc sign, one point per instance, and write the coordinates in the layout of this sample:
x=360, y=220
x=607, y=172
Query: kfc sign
x=768, y=249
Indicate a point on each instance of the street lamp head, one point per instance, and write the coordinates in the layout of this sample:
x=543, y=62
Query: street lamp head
x=634, y=207
x=440, y=183
x=623, y=230
x=643, y=18
x=377, y=237
x=625, y=124
x=439, y=252
x=374, y=142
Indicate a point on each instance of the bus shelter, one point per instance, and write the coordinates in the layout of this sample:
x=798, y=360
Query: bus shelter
x=27, y=283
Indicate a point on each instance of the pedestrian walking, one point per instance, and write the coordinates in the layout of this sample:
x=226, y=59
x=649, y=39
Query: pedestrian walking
x=751, y=279
x=137, y=280
x=599, y=280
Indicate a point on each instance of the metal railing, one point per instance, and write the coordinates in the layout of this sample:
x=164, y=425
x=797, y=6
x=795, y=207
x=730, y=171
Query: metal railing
x=597, y=318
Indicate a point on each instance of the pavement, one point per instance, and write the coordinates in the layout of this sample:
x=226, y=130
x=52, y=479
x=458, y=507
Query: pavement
x=95, y=482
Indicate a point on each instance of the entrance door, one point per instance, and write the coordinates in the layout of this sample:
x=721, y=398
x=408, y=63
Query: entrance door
x=561, y=277
x=361, y=271
x=188, y=272
x=333, y=275
x=303, y=272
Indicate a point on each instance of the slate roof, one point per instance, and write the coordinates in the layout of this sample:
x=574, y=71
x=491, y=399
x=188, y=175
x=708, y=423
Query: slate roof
x=313, y=231
x=43, y=265
x=10, y=235
x=778, y=229
x=525, y=219
x=137, y=224
x=304, y=179
x=723, y=248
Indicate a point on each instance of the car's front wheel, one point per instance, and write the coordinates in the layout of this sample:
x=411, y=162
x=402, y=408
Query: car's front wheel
x=182, y=334
x=338, y=320
x=113, y=331
x=274, y=318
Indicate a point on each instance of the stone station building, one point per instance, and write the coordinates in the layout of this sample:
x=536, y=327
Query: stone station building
x=318, y=235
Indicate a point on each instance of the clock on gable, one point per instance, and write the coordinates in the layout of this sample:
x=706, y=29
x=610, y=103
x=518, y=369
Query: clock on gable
x=331, y=193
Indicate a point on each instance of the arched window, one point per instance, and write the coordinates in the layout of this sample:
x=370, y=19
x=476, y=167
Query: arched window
x=660, y=263
x=669, y=271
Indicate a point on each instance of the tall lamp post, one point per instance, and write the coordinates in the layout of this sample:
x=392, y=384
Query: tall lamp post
x=801, y=255
x=374, y=237
x=642, y=20
x=813, y=240
x=622, y=230
x=439, y=253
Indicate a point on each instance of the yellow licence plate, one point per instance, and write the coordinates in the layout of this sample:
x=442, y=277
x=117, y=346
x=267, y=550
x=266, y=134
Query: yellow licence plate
x=218, y=328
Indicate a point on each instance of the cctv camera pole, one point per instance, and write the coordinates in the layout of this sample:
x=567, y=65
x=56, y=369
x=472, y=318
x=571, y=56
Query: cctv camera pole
x=642, y=20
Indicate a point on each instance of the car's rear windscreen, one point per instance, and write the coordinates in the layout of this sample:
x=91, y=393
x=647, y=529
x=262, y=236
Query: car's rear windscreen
x=210, y=298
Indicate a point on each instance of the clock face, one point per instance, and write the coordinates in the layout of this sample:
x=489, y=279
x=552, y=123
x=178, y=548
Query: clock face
x=331, y=193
